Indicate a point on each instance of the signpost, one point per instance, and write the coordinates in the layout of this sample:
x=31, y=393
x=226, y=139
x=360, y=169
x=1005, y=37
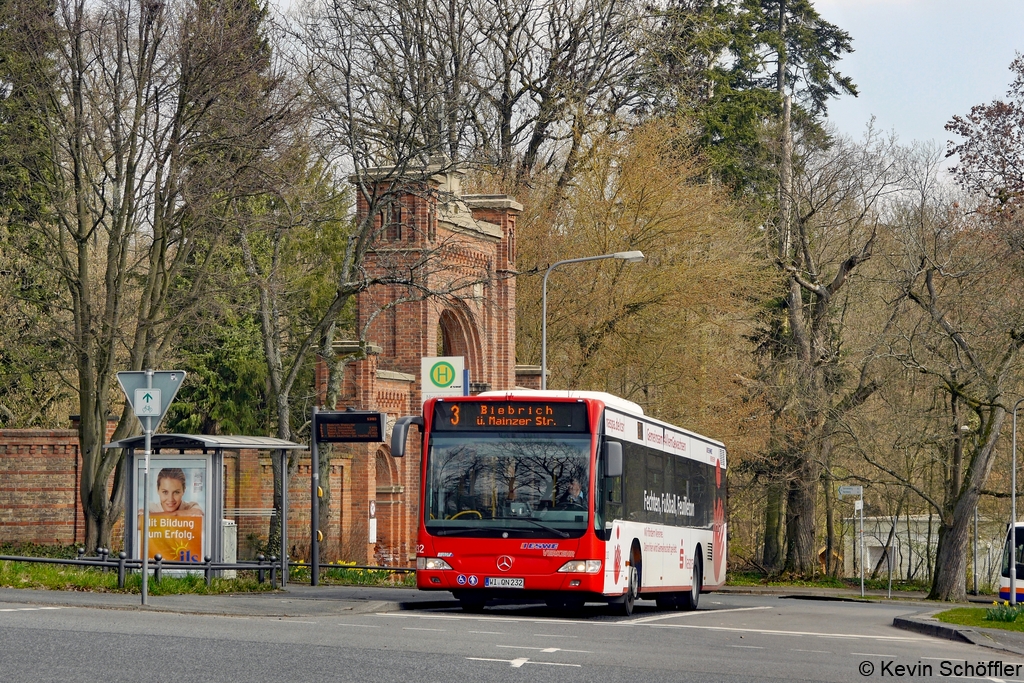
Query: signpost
x=858, y=506
x=145, y=391
x=341, y=426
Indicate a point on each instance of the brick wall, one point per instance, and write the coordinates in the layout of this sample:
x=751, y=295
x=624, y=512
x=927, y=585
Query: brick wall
x=39, y=499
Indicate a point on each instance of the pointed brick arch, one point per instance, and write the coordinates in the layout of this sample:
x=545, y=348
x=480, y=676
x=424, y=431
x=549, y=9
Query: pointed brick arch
x=462, y=338
x=469, y=242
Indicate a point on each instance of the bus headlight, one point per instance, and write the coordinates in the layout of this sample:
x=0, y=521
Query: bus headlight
x=431, y=563
x=581, y=567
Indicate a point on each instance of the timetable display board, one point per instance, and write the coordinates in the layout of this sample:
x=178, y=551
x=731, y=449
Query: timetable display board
x=350, y=427
x=497, y=416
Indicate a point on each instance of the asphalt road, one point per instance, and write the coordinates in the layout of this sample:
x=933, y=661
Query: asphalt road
x=731, y=638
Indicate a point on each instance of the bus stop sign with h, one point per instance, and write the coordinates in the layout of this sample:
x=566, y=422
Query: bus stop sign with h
x=149, y=392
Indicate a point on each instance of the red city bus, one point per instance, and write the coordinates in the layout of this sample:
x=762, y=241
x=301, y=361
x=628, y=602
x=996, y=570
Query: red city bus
x=567, y=497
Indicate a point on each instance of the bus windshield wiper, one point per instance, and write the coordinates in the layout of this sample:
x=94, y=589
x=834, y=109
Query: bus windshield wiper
x=545, y=527
x=460, y=530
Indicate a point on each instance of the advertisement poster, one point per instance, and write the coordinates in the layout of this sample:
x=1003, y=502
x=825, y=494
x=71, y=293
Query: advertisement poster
x=178, y=499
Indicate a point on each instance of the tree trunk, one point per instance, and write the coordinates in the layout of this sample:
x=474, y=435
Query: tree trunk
x=949, y=581
x=771, y=557
x=274, y=532
x=888, y=541
x=282, y=479
x=801, y=506
x=831, y=564
x=950, y=577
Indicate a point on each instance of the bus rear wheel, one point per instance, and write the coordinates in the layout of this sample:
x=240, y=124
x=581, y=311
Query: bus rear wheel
x=688, y=601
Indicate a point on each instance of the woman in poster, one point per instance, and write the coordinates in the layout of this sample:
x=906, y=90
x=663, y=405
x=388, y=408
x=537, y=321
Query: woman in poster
x=170, y=485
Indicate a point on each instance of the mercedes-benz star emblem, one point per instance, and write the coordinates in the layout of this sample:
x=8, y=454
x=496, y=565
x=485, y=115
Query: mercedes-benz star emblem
x=504, y=563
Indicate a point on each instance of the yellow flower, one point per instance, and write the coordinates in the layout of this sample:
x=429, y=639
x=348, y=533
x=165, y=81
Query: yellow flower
x=1006, y=603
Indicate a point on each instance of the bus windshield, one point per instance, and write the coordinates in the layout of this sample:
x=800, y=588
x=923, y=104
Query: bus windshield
x=499, y=483
x=1018, y=552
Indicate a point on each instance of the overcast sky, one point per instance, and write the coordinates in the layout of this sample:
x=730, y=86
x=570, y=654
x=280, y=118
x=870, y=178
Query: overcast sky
x=917, y=63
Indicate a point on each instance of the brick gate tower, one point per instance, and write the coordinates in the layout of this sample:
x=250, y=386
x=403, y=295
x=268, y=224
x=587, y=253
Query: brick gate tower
x=460, y=252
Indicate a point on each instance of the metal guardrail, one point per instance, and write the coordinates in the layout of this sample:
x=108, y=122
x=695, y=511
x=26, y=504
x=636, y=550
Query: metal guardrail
x=123, y=564
x=325, y=567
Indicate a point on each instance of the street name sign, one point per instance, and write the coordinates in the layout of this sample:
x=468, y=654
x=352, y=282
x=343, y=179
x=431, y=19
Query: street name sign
x=851, y=491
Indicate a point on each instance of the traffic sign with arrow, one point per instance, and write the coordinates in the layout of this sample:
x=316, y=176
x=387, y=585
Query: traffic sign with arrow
x=150, y=396
x=144, y=391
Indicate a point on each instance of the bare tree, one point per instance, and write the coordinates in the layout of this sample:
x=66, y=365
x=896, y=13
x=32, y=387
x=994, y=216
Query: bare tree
x=146, y=153
x=959, y=325
x=837, y=195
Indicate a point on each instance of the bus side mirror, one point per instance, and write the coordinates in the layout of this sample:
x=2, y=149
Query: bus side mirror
x=400, y=432
x=612, y=459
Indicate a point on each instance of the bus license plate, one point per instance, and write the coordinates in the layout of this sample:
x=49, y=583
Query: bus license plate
x=502, y=582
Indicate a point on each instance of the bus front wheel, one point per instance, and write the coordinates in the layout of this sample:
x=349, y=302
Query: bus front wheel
x=632, y=581
x=625, y=607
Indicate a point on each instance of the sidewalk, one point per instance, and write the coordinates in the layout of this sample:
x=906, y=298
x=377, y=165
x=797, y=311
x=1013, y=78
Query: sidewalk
x=295, y=601
x=813, y=593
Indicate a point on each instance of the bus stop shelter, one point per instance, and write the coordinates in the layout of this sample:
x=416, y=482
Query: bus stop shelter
x=187, y=493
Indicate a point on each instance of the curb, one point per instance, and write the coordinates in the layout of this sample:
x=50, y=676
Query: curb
x=934, y=628
x=925, y=625
x=832, y=598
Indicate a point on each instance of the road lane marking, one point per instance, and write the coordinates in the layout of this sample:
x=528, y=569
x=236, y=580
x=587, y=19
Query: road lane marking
x=644, y=620
x=27, y=609
x=769, y=632
x=517, y=663
x=747, y=647
x=875, y=654
x=542, y=649
x=502, y=618
x=820, y=652
x=413, y=628
x=552, y=635
x=510, y=619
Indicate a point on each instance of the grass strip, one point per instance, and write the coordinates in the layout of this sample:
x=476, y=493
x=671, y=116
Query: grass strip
x=975, y=616
x=68, y=578
x=759, y=579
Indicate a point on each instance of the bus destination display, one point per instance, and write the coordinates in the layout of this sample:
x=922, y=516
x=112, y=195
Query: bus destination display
x=349, y=427
x=476, y=416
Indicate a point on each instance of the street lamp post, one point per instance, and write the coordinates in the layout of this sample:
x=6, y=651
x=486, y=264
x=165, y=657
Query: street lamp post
x=1013, y=509
x=627, y=256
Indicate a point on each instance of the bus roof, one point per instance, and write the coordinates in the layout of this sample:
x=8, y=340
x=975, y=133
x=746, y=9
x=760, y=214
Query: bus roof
x=609, y=399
